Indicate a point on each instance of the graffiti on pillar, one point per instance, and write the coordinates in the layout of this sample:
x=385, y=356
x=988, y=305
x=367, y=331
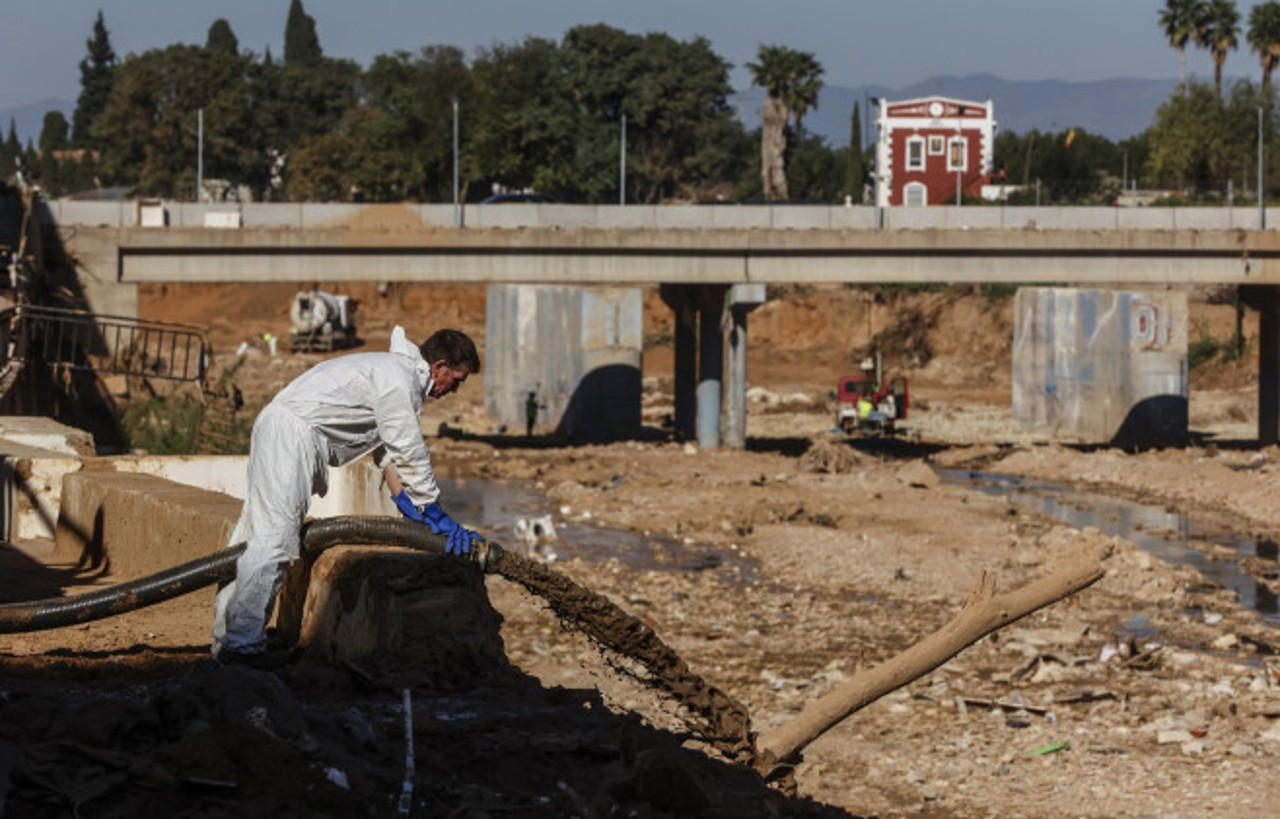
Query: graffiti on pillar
x=1149, y=325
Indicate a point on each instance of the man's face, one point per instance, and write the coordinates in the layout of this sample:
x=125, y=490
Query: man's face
x=446, y=379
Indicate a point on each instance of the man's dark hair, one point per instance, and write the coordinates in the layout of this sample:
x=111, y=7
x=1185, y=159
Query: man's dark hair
x=454, y=346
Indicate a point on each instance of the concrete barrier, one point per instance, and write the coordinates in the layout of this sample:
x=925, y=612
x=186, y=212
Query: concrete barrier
x=130, y=524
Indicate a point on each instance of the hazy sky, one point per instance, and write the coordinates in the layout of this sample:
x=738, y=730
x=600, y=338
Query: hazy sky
x=886, y=42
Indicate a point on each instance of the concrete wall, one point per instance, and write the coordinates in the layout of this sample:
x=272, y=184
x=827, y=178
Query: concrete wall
x=1100, y=366
x=669, y=217
x=578, y=349
x=31, y=484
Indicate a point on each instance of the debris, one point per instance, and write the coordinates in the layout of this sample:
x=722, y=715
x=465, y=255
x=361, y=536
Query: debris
x=1052, y=747
x=1003, y=705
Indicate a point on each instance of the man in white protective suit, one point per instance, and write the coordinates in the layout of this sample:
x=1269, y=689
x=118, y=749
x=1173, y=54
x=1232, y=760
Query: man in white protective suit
x=330, y=415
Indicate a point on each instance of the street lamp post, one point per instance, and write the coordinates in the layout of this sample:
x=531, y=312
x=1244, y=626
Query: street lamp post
x=875, y=172
x=457, y=214
x=622, y=165
x=200, y=155
x=1262, y=202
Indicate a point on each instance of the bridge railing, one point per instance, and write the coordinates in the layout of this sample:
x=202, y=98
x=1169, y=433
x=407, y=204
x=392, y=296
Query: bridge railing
x=320, y=215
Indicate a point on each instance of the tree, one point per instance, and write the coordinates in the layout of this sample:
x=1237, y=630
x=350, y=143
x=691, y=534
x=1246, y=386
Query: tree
x=222, y=39
x=149, y=125
x=10, y=149
x=1199, y=141
x=1182, y=21
x=856, y=168
x=97, y=75
x=791, y=81
x=521, y=119
x=53, y=132
x=415, y=93
x=301, y=43
x=1221, y=30
x=1264, y=39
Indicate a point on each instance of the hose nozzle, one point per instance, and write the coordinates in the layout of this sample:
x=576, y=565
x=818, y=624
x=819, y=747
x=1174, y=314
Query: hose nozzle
x=486, y=555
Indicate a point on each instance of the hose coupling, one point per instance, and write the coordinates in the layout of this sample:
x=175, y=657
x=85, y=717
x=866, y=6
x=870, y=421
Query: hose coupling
x=486, y=555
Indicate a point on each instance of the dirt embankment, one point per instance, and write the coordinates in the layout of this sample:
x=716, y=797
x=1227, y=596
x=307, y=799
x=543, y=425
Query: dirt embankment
x=781, y=570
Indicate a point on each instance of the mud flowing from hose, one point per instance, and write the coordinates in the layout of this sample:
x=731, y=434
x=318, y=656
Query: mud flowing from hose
x=714, y=716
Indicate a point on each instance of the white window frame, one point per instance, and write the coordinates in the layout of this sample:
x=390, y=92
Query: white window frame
x=918, y=143
x=963, y=144
x=918, y=189
x=937, y=145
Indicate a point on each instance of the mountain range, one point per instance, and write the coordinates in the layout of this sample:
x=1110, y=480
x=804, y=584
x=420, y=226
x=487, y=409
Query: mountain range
x=1116, y=109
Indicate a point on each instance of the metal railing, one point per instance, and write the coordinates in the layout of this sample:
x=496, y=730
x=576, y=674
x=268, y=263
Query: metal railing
x=117, y=345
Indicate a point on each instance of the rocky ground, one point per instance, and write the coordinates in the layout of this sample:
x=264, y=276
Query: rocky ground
x=776, y=573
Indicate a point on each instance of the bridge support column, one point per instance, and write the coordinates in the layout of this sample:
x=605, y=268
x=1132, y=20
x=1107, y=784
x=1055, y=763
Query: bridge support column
x=710, y=365
x=699, y=359
x=743, y=298
x=680, y=298
x=1267, y=300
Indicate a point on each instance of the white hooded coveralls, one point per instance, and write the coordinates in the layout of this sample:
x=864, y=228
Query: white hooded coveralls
x=330, y=415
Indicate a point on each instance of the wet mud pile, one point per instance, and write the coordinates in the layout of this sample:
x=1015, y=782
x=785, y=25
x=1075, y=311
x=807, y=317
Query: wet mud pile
x=175, y=734
x=712, y=715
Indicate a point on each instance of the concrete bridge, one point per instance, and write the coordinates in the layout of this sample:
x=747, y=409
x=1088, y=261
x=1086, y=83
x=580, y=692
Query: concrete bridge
x=697, y=252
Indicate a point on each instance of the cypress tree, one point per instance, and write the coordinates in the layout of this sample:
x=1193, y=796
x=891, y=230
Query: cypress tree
x=9, y=148
x=856, y=170
x=221, y=39
x=301, y=44
x=97, y=75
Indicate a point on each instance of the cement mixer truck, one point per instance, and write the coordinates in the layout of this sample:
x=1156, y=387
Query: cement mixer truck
x=322, y=322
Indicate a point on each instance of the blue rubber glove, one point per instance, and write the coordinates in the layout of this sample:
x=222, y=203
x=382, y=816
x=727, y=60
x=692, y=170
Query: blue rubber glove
x=439, y=522
x=406, y=507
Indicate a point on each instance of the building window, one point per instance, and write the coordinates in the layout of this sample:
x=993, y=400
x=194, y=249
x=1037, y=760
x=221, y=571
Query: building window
x=915, y=153
x=957, y=158
x=915, y=195
x=937, y=145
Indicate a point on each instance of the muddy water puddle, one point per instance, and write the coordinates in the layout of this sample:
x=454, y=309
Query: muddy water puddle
x=1165, y=535
x=517, y=517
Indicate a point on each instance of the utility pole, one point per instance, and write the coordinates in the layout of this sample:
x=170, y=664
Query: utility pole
x=457, y=213
x=200, y=155
x=1262, y=200
x=622, y=165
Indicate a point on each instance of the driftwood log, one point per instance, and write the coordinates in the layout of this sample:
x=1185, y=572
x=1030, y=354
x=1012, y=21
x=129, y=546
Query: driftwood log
x=984, y=612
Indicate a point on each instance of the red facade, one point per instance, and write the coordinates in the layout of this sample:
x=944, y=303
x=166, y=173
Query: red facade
x=930, y=148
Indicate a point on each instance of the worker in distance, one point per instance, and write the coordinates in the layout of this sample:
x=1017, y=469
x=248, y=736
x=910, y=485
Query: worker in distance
x=331, y=415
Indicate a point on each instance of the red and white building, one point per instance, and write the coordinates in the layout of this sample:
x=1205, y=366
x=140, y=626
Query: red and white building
x=929, y=148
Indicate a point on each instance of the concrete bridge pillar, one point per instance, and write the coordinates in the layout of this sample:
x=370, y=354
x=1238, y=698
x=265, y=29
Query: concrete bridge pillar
x=1266, y=300
x=685, y=364
x=742, y=299
x=710, y=364
x=699, y=359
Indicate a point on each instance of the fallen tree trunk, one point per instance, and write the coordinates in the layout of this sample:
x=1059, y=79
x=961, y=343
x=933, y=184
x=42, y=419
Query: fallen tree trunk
x=984, y=612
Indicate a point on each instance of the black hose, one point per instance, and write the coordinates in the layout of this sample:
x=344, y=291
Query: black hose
x=37, y=615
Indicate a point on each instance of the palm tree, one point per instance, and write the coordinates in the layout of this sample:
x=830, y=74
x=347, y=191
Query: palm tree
x=807, y=82
x=792, y=81
x=1182, y=21
x=1220, y=33
x=1264, y=38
